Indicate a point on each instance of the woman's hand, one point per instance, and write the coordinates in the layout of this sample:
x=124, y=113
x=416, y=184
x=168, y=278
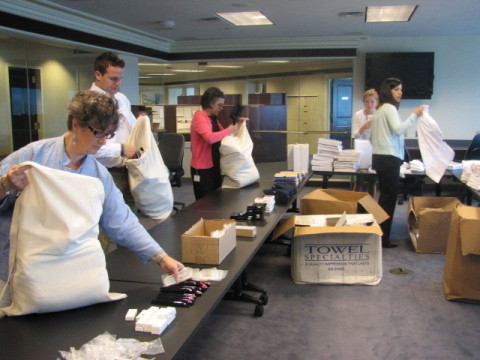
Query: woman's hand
x=16, y=178
x=419, y=110
x=171, y=266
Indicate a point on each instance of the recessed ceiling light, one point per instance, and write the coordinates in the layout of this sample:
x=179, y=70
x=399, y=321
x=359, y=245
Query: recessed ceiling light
x=390, y=13
x=247, y=18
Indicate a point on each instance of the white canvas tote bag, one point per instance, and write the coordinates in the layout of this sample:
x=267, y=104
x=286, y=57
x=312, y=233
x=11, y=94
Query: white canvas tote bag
x=236, y=160
x=436, y=154
x=148, y=176
x=56, y=261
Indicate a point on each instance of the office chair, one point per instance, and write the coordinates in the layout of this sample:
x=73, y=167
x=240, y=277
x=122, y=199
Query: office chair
x=171, y=146
x=473, y=152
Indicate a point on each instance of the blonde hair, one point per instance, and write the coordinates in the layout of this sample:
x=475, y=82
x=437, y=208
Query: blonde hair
x=370, y=92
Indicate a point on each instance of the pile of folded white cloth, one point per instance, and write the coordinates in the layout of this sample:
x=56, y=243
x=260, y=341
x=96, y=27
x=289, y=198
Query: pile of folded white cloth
x=414, y=166
x=467, y=169
x=474, y=178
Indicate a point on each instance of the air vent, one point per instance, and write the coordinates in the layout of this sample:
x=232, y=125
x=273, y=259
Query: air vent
x=351, y=13
x=209, y=19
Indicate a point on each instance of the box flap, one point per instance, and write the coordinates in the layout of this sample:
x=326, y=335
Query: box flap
x=469, y=229
x=373, y=208
x=283, y=227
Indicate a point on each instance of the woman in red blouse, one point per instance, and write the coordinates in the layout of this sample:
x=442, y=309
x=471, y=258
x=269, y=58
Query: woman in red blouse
x=206, y=135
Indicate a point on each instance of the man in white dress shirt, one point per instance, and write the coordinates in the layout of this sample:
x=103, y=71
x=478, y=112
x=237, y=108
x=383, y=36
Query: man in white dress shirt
x=109, y=71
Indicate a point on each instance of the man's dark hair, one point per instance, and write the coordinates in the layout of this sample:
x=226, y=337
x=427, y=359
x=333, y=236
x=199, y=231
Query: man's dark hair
x=103, y=61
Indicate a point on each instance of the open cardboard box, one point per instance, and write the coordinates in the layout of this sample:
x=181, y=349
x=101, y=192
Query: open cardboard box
x=328, y=201
x=199, y=246
x=461, y=280
x=335, y=249
x=429, y=221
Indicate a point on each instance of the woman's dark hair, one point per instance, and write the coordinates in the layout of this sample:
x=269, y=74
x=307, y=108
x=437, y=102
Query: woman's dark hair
x=93, y=108
x=210, y=96
x=385, y=93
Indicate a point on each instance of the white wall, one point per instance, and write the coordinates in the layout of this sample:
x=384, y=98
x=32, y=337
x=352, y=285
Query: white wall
x=454, y=104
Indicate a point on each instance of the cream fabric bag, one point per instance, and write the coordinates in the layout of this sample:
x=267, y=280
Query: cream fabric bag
x=56, y=261
x=236, y=160
x=148, y=176
x=436, y=154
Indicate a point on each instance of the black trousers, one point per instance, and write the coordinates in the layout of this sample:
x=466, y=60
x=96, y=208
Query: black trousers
x=210, y=180
x=388, y=173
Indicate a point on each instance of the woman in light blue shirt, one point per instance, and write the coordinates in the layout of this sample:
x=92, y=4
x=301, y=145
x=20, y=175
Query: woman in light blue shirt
x=388, y=148
x=92, y=118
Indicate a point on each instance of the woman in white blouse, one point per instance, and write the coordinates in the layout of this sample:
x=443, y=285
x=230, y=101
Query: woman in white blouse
x=362, y=129
x=362, y=121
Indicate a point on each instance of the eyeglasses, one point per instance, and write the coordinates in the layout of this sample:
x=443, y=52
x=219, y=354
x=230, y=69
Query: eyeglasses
x=115, y=79
x=101, y=134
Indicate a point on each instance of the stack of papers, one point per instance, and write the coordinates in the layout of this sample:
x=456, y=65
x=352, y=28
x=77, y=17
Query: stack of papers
x=347, y=161
x=328, y=150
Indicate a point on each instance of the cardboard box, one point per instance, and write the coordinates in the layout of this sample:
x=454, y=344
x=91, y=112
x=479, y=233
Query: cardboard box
x=461, y=280
x=327, y=201
x=429, y=221
x=199, y=246
x=327, y=251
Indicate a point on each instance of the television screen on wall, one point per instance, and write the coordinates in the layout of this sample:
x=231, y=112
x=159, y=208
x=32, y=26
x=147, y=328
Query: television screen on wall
x=415, y=69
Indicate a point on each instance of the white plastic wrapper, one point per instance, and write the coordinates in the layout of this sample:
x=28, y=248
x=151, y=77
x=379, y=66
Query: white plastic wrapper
x=108, y=347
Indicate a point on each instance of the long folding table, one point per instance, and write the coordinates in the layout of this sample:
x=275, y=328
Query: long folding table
x=40, y=336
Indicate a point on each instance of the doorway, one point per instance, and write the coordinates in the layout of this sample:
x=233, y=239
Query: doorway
x=341, y=111
x=25, y=103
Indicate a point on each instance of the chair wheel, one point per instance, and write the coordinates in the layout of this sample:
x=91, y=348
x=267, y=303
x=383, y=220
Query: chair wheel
x=264, y=299
x=258, y=310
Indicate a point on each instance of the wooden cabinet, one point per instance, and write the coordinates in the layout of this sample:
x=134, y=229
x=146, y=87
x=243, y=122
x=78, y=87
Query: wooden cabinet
x=267, y=99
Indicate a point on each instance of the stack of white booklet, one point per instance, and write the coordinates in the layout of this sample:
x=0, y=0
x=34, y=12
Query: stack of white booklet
x=328, y=150
x=347, y=161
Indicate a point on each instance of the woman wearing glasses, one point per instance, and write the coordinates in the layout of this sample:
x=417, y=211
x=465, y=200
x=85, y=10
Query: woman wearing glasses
x=92, y=118
x=206, y=135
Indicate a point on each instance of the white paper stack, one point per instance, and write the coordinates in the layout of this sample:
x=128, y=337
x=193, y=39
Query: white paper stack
x=347, y=161
x=327, y=151
x=155, y=319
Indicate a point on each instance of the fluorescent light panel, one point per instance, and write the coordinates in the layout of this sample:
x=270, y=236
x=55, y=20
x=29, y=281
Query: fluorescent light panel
x=247, y=18
x=188, y=70
x=389, y=13
x=224, y=66
x=275, y=61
